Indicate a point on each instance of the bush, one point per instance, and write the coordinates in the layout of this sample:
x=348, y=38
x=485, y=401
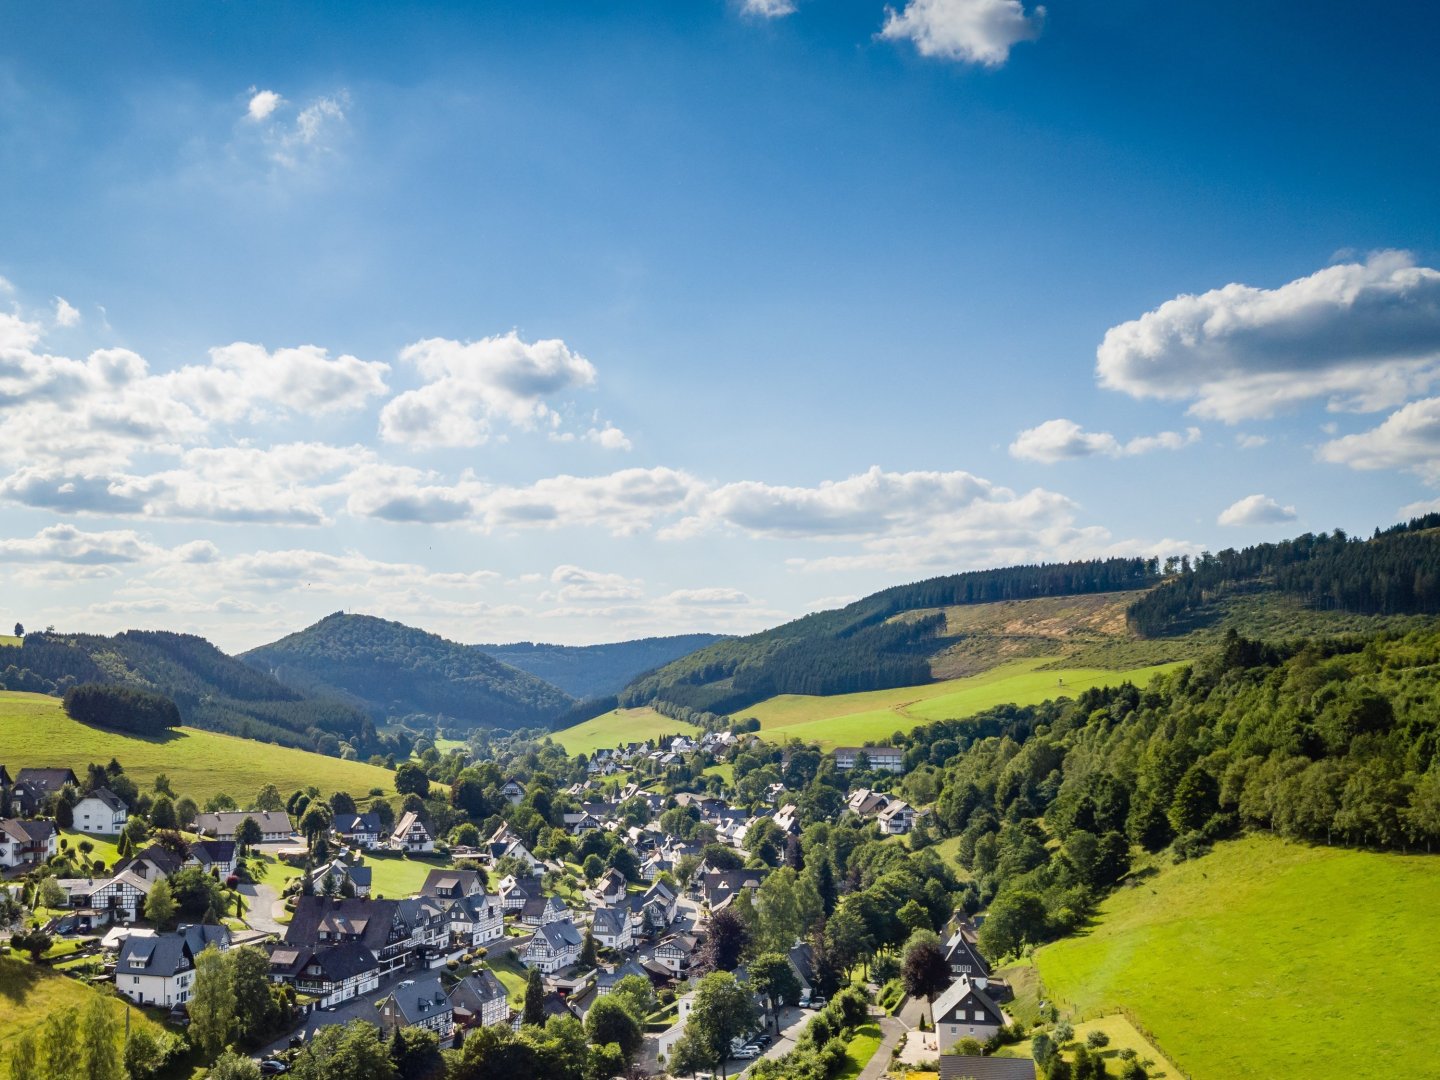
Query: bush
x=1097, y=1040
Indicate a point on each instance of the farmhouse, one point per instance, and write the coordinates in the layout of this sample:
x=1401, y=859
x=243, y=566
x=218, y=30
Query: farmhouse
x=274, y=824
x=102, y=812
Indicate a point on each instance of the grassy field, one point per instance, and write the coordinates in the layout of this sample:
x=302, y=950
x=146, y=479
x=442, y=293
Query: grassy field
x=619, y=726
x=395, y=875
x=35, y=731
x=851, y=719
x=28, y=994
x=859, y=1050
x=9, y=639
x=1268, y=959
x=513, y=975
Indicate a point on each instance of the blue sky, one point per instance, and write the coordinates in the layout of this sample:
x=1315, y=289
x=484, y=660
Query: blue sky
x=582, y=321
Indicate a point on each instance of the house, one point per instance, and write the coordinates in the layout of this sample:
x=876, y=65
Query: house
x=887, y=758
x=213, y=855
x=555, y=946
x=361, y=831
x=336, y=948
x=453, y=883
x=418, y=1003
x=411, y=834
x=122, y=895
x=274, y=825
x=964, y=1012
x=802, y=962
x=23, y=842
x=659, y=905
x=480, y=1000
x=33, y=787
x=514, y=791
x=611, y=887
x=578, y=824
x=606, y=978
x=429, y=919
x=676, y=951
x=540, y=910
x=865, y=802
x=475, y=918
x=655, y=864
x=612, y=927
x=159, y=969
x=897, y=819
x=719, y=887
x=788, y=818
x=975, y=1067
x=152, y=863
x=515, y=892
x=102, y=812
x=964, y=958
x=339, y=878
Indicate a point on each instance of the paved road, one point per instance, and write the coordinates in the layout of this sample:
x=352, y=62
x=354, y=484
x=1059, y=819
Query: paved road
x=259, y=901
x=890, y=1031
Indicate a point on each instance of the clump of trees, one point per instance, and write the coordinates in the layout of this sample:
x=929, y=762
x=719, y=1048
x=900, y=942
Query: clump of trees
x=121, y=708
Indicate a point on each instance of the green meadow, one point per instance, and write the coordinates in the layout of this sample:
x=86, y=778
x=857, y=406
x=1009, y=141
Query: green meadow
x=619, y=726
x=1267, y=958
x=851, y=719
x=34, y=731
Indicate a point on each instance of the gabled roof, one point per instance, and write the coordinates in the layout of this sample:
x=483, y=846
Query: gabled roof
x=109, y=798
x=417, y=1000
x=227, y=821
x=409, y=820
x=629, y=967
x=476, y=991
x=368, y=921
x=974, y=1067
x=611, y=920
x=163, y=955
x=960, y=949
x=46, y=780
x=561, y=933
x=452, y=883
x=963, y=992
x=28, y=831
x=213, y=851
x=351, y=824
x=802, y=959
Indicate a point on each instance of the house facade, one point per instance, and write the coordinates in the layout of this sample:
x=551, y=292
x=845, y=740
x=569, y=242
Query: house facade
x=964, y=1012
x=102, y=813
x=411, y=834
x=159, y=969
x=418, y=1003
x=24, y=842
x=554, y=947
x=888, y=758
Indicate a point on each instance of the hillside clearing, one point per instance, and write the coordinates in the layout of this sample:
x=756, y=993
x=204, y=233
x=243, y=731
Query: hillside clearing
x=852, y=719
x=1290, y=938
x=34, y=731
x=620, y=726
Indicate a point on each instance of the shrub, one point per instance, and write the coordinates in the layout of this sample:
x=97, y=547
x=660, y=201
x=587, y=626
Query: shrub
x=1097, y=1040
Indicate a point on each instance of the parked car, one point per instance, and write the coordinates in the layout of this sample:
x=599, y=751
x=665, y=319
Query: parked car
x=273, y=1067
x=747, y=1053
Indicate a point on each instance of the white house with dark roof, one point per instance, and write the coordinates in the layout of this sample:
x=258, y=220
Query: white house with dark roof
x=159, y=969
x=102, y=813
x=361, y=831
x=613, y=927
x=24, y=842
x=418, y=1003
x=554, y=947
x=676, y=951
x=475, y=918
x=897, y=819
x=216, y=855
x=274, y=825
x=965, y=1012
x=480, y=1000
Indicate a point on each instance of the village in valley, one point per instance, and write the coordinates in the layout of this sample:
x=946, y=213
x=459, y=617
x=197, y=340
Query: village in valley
x=690, y=878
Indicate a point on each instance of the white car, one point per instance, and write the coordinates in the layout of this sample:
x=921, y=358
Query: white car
x=747, y=1053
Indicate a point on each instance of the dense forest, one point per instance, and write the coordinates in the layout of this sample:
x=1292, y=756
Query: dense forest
x=1395, y=572
x=210, y=689
x=588, y=672
x=392, y=671
x=856, y=647
x=121, y=708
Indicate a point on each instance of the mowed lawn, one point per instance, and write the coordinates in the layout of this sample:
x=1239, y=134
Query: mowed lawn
x=851, y=719
x=394, y=875
x=1266, y=958
x=34, y=731
x=29, y=994
x=620, y=726
x=860, y=1049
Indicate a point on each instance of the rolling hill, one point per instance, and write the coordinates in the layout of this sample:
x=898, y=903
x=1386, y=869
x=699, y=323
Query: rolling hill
x=1293, y=940
x=211, y=690
x=392, y=671
x=595, y=671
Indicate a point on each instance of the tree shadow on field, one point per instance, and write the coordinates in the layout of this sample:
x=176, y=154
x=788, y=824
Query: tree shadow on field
x=17, y=979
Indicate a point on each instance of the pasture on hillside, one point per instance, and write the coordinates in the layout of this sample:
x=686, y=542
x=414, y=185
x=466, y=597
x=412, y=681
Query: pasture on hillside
x=34, y=731
x=620, y=726
x=30, y=993
x=852, y=719
x=1267, y=958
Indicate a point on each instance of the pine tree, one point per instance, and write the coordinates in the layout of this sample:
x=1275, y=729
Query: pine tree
x=534, y=999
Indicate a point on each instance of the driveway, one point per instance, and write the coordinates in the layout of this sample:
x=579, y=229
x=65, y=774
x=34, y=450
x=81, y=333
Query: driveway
x=890, y=1031
x=260, y=901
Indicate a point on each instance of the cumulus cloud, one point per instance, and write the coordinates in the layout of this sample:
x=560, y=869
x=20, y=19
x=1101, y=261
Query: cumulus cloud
x=69, y=545
x=1256, y=510
x=768, y=9
x=1409, y=438
x=608, y=437
x=1363, y=336
x=1250, y=442
x=970, y=31
x=262, y=104
x=469, y=386
x=711, y=596
x=66, y=314
x=1065, y=440
x=577, y=585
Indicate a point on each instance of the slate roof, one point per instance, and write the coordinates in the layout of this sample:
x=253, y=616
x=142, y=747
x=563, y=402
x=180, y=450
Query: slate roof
x=452, y=883
x=367, y=921
x=108, y=797
x=476, y=991
x=213, y=851
x=973, y=1067
x=46, y=780
x=226, y=822
x=420, y=999
x=629, y=967
x=350, y=824
x=963, y=992
x=611, y=920
x=162, y=954
x=560, y=934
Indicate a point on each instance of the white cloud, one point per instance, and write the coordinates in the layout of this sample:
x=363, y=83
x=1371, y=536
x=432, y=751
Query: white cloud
x=263, y=103
x=1250, y=442
x=1364, y=336
x=575, y=585
x=624, y=502
x=711, y=596
x=1065, y=440
x=1409, y=438
x=609, y=437
x=1256, y=510
x=768, y=9
x=69, y=545
x=471, y=385
x=971, y=31
x=66, y=314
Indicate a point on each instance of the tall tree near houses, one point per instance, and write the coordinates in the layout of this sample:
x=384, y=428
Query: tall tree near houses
x=212, y=1003
x=99, y=1037
x=534, y=1012
x=59, y=1047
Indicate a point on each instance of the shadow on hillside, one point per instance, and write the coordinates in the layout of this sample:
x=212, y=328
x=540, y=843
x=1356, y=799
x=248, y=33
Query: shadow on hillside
x=169, y=735
x=17, y=979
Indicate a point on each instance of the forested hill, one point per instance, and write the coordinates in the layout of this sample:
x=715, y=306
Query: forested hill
x=1395, y=572
x=594, y=671
x=392, y=671
x=859, y=647
x=211, y=690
